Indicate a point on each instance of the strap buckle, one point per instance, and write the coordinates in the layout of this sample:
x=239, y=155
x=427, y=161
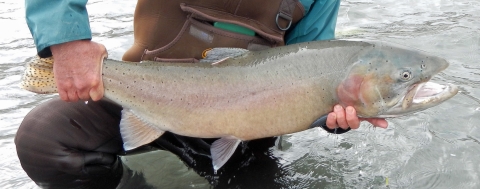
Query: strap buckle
x=286, y=17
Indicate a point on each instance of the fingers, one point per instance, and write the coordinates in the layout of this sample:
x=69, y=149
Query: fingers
x=65, y=89
x=347, y=118
x=338, y=118
x=332, y=121
x=83, y=93
x=63, y=95
x=72, y=92
x=352, y=118
x=341, y=119
x=72, y=96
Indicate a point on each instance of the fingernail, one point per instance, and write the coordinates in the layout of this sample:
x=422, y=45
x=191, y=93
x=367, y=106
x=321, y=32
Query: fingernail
x=338, y=107
x=349, y=110
x=332, y=116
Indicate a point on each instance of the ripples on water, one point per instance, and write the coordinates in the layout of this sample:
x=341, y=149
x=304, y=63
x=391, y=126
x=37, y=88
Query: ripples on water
x=437, y=148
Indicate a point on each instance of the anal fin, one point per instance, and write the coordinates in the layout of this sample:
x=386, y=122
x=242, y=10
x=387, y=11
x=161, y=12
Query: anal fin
x=221, y=150
x=136, y=131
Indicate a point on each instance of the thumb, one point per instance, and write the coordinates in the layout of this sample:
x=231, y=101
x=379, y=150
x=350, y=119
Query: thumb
x=96, y=93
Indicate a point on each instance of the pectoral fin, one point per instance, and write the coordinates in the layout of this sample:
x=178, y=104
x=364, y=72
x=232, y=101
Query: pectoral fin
x=221, y=150
x=136, y=131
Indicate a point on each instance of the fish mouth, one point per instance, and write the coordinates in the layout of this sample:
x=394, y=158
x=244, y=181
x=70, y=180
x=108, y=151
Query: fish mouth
x=422, y=96
x=430, y=92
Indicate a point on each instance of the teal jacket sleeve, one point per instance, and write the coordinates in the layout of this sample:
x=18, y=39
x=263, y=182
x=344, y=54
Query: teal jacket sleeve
x=53, y=22
x=318, y=24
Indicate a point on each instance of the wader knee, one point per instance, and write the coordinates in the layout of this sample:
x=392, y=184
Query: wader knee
x=66, y=145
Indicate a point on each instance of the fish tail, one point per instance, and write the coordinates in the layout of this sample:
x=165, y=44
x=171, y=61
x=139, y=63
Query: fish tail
x=38, y=76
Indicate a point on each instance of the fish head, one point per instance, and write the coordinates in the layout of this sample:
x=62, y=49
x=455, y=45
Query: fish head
x=390, y=81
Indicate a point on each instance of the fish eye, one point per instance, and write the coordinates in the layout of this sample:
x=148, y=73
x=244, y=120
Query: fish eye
x=406, y=75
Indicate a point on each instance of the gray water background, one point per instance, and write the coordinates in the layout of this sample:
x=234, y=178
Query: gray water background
x=436, y=148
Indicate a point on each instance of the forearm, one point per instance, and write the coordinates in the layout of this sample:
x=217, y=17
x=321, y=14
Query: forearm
x=54, y=22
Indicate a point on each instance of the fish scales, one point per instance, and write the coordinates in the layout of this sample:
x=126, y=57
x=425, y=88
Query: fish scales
x=237, y=97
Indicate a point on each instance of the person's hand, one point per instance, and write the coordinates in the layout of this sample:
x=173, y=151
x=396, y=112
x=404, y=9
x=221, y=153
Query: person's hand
x=345, y=118
x=77, y=70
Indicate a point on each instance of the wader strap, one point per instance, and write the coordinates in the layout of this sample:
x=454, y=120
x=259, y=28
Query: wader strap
x=286, y=12
x=182, y=29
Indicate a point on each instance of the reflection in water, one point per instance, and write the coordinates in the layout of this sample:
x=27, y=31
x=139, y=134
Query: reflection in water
x=437, y=148
x=252, y=162
x=255, y=164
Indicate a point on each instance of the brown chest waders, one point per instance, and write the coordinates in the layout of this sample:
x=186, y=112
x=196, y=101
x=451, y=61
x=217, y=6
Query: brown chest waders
x=179, y=31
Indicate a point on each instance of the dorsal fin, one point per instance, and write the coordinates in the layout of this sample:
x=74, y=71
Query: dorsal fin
x=216, y=55
x=221, y=150
x=136, y=131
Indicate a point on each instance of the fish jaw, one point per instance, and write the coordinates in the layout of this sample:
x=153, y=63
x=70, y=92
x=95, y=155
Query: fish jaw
x=420, y=97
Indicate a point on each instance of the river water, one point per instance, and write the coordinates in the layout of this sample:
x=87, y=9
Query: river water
x=436, y=148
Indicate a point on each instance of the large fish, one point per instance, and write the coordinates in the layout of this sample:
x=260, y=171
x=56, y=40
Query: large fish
x=250, y=95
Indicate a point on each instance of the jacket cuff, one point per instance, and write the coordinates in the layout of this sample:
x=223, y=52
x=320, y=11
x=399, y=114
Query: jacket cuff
x=54, y=22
